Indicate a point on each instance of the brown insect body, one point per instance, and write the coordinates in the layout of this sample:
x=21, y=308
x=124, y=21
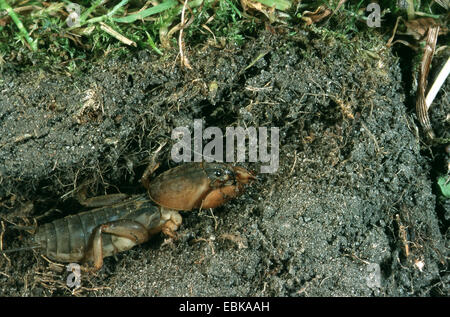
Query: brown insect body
x=101, y=232
x=198, y=185
x=69, y=239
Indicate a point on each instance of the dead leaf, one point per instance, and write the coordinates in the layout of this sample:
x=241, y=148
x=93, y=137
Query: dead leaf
x=418, y=28
x=316, y=16
x=249, y=5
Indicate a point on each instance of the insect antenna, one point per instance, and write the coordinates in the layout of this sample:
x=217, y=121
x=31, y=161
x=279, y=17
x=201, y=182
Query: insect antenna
x=20, y=249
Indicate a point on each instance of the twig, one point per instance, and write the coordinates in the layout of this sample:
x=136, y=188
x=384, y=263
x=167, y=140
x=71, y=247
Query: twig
x=214, y=217
x=410, y=9
x=293, y=165
x=421, y=107
x=209, y=241
x=117, y=35
x=183, y=58
x=1, y=242
x=389, y=42
x=152, y=166
x=403, y=235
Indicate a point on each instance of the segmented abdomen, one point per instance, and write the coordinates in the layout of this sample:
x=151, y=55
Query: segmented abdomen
x=67, y=239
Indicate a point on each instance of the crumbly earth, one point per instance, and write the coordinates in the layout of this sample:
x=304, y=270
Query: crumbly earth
x=350, y=211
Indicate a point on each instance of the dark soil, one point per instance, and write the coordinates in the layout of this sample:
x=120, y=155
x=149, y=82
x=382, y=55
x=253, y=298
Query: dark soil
x=351, y=210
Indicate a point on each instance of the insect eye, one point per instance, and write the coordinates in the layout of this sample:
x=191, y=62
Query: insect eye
x=218, y=173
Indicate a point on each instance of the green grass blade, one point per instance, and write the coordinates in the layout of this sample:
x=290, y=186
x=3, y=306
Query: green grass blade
x=152, y=44
x=109, y=14
x=444, y=184
x=282, y=5
x=117, y=7
x=4, y=5
x=148, y=12
x=233, y=7
x=89, y=10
